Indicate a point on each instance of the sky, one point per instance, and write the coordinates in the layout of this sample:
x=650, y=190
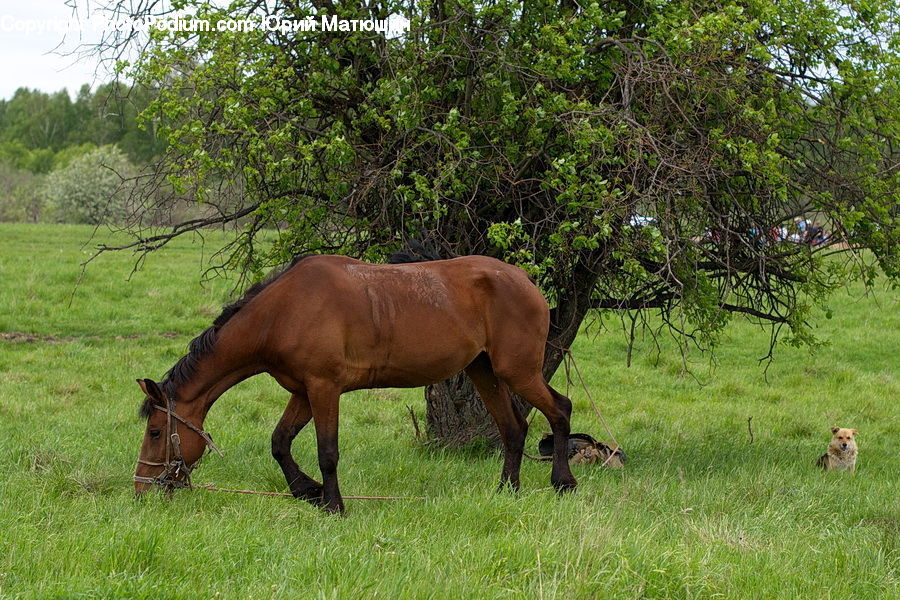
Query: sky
x=52, y=59
x=36, y=59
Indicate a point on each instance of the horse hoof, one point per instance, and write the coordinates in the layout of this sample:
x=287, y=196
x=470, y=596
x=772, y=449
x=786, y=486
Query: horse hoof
x=508, y=486
x=335, y=508
x=312, y=493
x=565, y=486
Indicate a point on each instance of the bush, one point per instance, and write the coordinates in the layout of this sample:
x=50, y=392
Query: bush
x=64, y=157
x=40, y=160
x=92, y=189
x=20, y=198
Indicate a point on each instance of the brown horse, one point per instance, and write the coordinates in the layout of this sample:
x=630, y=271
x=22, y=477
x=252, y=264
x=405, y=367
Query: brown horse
x=330, y=324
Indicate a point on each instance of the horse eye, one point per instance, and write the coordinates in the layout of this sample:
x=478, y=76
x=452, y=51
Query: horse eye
x=154, y=433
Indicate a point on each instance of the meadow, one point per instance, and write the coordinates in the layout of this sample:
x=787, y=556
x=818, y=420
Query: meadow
x=698, y=512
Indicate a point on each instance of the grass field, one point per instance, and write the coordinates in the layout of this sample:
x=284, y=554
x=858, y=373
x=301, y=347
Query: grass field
x=699, y=512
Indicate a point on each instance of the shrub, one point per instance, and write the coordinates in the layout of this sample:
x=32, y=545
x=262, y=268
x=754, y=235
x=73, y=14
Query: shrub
x=65, y=156
x=20, y=199
x=92, y=189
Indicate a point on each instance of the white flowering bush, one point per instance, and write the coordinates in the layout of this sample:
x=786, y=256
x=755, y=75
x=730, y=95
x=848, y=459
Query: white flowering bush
x=92, y=189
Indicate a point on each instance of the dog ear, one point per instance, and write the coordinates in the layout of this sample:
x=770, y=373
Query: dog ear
x=834, y=429
x=854, y=432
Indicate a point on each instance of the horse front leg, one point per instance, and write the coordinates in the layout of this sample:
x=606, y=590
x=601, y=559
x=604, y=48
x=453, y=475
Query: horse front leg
x=324, y=400
x=296, y=415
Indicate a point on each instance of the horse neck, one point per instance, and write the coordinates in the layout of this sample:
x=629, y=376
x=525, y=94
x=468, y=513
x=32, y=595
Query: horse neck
x=214, y=373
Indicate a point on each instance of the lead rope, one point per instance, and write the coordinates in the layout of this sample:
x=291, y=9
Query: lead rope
x=176, y=440
x=569, y=357
x=211, y=488
x=175, y=463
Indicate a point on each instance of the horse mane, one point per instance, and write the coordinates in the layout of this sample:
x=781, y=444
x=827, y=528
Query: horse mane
x=203, y=344
x=414, y=252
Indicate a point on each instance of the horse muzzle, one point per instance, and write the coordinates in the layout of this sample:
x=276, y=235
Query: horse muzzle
x=174, y=475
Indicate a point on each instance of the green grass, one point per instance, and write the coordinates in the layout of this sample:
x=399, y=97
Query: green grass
x=698, y=512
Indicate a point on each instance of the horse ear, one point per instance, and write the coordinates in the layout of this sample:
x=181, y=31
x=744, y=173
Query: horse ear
x=149, y=387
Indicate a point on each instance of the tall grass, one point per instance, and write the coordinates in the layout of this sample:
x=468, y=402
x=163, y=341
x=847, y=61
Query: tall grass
x=698, y=512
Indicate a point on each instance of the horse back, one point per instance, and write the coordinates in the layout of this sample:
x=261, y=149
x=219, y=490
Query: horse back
x=400, y=325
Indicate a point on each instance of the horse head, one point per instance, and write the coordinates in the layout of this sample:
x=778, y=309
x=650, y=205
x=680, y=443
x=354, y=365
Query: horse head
x=172, y=444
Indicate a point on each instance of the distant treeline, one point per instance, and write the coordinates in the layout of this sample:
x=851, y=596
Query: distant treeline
x=72, y=162
x=40, y=131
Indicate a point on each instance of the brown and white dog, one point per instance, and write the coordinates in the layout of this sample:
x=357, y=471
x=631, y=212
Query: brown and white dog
x=841, y=455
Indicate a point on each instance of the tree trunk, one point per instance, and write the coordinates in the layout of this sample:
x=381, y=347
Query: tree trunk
x=455, y=415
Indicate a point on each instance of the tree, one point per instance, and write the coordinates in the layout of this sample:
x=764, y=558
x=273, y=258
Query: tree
x=38, y=120
x=629, y=154
x=40, y=132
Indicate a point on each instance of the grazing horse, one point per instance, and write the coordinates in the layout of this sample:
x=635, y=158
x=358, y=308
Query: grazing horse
x=331, y=324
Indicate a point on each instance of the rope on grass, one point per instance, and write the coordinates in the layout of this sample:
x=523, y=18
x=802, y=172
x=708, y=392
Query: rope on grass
x=571, y=358
x=211, y=488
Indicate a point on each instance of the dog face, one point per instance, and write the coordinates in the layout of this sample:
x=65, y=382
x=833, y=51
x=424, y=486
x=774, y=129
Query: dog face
x=843, y=439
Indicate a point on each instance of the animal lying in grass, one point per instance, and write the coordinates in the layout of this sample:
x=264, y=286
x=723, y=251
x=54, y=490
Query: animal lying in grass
x=583, y=449
x=842, y=451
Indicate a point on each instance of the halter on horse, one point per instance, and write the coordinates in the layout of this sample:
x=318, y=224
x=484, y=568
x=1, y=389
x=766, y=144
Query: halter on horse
x=176, y=472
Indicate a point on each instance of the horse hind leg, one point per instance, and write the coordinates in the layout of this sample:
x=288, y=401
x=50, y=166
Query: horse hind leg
x=296, y=415
x=510, y=423
x=558, y=410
